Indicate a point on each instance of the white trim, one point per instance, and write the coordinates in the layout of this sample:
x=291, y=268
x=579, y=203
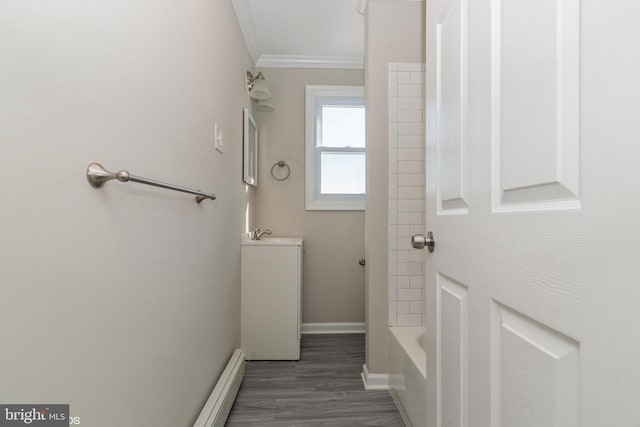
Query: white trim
x=217, y=408
x=250, y=175
x=247, y=26
x=374, y=381
x=314, y=95
x=333, y=328
x=360, y=6
x=403, y=412
x=321, y=204
x=308, y=61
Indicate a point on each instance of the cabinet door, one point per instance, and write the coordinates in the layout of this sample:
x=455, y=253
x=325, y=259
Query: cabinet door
x=270, y=307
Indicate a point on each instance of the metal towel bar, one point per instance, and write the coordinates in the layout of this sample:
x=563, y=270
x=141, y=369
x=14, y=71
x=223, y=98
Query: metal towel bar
x=98, y=175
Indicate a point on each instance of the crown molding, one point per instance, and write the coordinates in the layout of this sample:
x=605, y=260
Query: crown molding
x=305, y=61
x=360, y=6
x=247, y=25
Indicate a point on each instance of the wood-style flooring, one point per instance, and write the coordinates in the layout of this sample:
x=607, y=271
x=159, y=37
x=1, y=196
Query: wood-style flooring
x=323, y=389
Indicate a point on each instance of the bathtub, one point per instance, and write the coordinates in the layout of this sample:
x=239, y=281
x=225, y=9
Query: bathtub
x=408, y=373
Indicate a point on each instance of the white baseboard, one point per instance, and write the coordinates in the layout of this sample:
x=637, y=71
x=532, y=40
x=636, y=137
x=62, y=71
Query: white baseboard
x=333, y=328
x=374, y=381
x=403, y=413
x=216, y=410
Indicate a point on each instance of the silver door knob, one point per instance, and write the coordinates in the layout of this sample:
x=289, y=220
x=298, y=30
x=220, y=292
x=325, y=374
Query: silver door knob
x=419, y=241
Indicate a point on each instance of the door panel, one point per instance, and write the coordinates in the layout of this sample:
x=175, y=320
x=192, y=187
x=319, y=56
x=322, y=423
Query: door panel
x=451, y=93
x=535, y=79
x=455, y=344
x=534, y=373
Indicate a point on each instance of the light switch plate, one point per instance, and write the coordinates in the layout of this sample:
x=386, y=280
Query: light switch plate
x=219, y=139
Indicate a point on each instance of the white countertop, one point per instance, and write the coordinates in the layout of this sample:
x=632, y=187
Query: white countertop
x=273, y=241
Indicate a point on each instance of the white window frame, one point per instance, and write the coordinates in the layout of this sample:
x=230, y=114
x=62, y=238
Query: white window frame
x=316, y=97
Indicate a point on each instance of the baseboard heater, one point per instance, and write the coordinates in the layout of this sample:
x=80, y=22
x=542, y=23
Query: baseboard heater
x=216, y=410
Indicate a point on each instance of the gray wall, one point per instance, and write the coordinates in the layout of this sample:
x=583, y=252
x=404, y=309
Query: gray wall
x=394, y=33
x=122, y=301
x=334, y=240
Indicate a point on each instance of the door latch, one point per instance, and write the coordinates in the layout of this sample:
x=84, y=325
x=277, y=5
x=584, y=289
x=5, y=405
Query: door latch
x=419, y=241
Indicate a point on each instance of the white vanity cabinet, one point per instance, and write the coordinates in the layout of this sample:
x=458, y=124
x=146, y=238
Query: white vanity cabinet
x=271, y=298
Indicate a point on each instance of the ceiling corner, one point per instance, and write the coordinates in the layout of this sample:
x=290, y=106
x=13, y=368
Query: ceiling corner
x=247, y=25
x=308, y=61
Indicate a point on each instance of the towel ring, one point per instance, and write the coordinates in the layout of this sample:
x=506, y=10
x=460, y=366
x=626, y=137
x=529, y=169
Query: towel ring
x=280, y=164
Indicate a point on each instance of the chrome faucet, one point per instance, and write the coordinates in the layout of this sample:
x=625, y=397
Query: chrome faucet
x=257, y=234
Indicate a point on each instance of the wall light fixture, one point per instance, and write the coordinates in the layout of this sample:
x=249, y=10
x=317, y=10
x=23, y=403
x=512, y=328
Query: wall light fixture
x=264, y=105
x=257, y=86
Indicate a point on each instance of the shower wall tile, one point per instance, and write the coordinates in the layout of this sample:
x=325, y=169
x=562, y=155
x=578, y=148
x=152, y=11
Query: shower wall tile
x=409, y=295
x=399, y=129
x=403, y=307
x=413, y=192
x=415, y=103
x=409, y=319
x=403, y=231
x=394, y=131
x=409, y=218
x=404, y=180
x=417, y=153
x=410, y=269
x=404, y=77
x=393, y=186
x=417, y=129
x=410, y=141
x=404, y=244
x=409, y=166
x=416, y=257
x=403, y=154
x=393, y=237
x=417, y=307
x=404, y=103
x=403, y=282
x=409, y=90
x=408, y=66
x=406, y=193
x=393, y=267
x=416, y=205
x=416, y=229
x=392, y=310
x=393, y=162
x=404, y=205
x=393, y=84
x=417, y=77
x=409, y=116
x=393, y=286
x=417, y=179
x=404, y=256
x=393, y=211
x=416, y=282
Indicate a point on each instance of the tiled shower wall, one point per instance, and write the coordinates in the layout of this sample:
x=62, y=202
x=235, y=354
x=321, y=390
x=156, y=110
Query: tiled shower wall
x=406, y=193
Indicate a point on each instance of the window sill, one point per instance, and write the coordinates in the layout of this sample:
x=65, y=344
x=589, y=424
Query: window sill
x=335, y=205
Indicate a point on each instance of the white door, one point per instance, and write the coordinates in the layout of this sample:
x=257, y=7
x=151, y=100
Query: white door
x=533, y=195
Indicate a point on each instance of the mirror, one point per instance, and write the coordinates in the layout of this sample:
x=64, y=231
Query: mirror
x=250, y=137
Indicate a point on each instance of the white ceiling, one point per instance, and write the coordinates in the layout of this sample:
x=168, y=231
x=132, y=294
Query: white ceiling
x=303, y=33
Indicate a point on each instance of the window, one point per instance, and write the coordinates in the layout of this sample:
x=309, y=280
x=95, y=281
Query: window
x=335, y=148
